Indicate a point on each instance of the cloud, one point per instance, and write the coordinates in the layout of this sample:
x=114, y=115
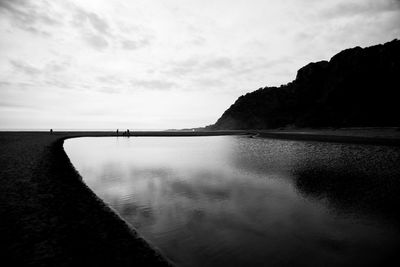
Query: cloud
x=218, y=63
x=53, y=66
x=153, y=84
x=133, y=45
x=98, y=23
x=211, y=72
x=108, y=90
x=195, y=65
x=142, y=49
x=206, y=83
x=7, y=104
x=360, y=8
x=29, y=16
x=83, y=18
x=134, y=36
x=109, y=79
x=111, y=84
x=198, y=41
x=95, y=41
x=25, y=68
x=99, y=33
x=261, y=64
x=58, y=66
x=15, y=105
x=94, y=29
x=183, y=67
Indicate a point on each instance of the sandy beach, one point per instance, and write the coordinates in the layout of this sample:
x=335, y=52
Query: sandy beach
x=49, y=217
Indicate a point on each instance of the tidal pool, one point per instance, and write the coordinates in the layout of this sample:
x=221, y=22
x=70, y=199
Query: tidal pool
x=240, y=201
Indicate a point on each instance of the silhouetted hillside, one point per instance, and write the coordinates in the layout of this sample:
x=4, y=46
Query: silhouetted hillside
x=357, y=87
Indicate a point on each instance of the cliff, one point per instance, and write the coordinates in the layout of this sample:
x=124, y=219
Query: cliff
x=358, y=87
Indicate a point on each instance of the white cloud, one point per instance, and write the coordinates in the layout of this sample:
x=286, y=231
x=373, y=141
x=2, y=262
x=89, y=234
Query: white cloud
x=165, y=64
x=153, y=84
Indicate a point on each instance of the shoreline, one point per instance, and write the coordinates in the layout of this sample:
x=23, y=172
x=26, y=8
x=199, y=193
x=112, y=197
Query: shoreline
x=369, y=136
x=50, y=217
x=341, y=136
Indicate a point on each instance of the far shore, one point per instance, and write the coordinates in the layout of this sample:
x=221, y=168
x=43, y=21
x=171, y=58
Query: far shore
x=358, y=135
x=370, y=136
x=50, y=217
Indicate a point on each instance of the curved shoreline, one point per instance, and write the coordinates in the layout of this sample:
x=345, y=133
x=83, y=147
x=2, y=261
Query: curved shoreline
x=151, y=254
x=49, y=217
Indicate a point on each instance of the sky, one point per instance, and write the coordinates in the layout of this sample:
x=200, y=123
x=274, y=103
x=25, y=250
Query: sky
x=151, y=64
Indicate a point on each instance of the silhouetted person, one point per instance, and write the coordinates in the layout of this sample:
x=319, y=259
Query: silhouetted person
x=127, y=132
x=51, y=131
x=117, y=131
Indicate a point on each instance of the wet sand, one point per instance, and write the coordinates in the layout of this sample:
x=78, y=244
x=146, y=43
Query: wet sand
x=49, y=217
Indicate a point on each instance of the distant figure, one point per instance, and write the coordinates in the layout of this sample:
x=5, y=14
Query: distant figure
x=127, y=132
x=117, y=131
x=51, y=131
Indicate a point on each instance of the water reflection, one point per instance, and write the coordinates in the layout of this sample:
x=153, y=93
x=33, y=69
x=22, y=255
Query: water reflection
x=238, y=201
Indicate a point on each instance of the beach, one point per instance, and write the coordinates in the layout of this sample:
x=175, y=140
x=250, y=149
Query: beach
x=49, y=217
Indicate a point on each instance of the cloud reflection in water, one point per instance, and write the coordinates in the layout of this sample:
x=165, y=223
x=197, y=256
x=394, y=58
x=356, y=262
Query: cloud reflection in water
x=239, y=201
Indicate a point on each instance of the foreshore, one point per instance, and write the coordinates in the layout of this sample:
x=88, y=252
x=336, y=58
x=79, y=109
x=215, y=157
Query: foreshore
x=49, y=217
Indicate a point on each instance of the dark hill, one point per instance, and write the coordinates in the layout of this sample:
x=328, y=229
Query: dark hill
x=357, y=87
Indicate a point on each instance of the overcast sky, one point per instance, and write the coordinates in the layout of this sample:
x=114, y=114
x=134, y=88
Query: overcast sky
x=151, y=64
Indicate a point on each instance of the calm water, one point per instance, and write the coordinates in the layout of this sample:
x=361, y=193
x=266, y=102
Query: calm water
x=239, y=201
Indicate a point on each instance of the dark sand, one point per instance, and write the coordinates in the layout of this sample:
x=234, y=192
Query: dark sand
x=49, y=217
x=370, y=136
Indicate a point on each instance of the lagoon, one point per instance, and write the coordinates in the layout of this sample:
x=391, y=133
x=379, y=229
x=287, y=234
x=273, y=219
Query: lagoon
x=240, y=201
